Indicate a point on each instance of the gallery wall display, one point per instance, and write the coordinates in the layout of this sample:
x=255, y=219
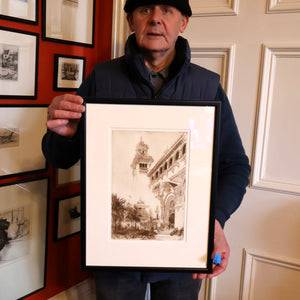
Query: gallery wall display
x=68, y=72
x=23, y=230
x=150, y=190
x=18, y=63
x=21, y=131
x=67, y=217
x=25, y=11
x=60, y=21
x=65, y=46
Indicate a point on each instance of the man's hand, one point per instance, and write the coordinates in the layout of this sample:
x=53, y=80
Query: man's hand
x=64, y=114
x=221, y=247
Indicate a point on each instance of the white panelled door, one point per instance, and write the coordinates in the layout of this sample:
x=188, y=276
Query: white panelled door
x=255, y=46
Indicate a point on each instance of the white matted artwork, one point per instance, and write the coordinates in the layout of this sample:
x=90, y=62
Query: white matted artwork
x=67, y=214
x=20, y=10
x=23, y=220
x=60, y=21
x=18, y=63
x=149, y=172
x=21, y=132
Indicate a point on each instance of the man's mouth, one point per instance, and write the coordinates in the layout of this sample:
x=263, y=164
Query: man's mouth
x=154, y=34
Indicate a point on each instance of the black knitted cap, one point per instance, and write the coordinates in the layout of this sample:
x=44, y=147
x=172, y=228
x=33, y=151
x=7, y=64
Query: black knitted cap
x=181, y=5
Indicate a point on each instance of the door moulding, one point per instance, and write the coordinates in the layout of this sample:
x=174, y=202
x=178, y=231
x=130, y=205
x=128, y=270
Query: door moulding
x=225, y=53
x=214, y=8
x=120, y=29
x=277, y=6
x=251, y=258
x=260, y=178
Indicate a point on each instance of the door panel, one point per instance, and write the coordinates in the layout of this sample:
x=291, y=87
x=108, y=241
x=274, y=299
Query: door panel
x=217, y=58
x=277, y=162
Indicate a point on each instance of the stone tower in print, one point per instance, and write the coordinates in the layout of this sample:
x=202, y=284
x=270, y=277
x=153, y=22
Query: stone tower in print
x=143, y=197
x=142, y=160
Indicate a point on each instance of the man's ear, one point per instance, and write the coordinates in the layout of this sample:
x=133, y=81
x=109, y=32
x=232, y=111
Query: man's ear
x=184, y=23
x=130, y=22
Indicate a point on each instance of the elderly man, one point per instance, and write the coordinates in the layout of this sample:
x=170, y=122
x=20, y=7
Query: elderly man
x=156, y=65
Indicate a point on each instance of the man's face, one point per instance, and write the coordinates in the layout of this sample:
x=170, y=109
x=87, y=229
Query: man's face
x=157, y=27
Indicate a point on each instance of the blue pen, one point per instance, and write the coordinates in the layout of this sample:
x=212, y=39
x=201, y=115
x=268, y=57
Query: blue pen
x=217, y=259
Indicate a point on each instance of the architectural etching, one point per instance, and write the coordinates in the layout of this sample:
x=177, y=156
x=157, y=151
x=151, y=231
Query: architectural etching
x=153, y=206
x=9, y=62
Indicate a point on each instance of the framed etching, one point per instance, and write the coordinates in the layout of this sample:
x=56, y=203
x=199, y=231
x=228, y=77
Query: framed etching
x=25, y=11
x=67, y=217
x=18, y=64
x=68, y=176
x=60, y=21
x=23, y=227
x=149, y=174
x=68, y=72
x=22, y=128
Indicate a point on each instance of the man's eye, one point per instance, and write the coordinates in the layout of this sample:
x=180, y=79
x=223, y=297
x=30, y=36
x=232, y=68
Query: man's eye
x=146, y=10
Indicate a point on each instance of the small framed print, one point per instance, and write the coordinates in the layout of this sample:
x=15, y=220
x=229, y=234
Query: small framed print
x=67, y=217
x=23, y=243
x=25, y=11
x=18, y=64
x=22, y=128
x=68, y=72
x=60, y=21
x=148, y=184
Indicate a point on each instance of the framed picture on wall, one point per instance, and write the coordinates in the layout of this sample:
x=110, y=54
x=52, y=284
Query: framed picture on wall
x=69, y=21
x=149, y=176
x=22, y=128
x=25, y=11
x=23, y=243
x=18, y=64
x=67, y=176
x=68, y=72
x=67, y=217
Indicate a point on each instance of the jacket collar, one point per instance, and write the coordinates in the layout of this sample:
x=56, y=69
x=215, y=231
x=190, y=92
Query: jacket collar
x=135, y=59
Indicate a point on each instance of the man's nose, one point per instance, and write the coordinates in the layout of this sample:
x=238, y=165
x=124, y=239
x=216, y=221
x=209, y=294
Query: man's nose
x=156, y=15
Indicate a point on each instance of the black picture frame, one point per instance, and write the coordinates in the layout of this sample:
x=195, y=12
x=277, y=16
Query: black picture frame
x=22, y=127
x=67, y=217
x=24, y=255
x=19, y=72
x=119, y=139
x=68, y=72
x=60, y=19
x=15, y=10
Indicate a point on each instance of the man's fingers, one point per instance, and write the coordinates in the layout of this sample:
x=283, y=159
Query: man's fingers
x=199, y=275
x=63, y=114
x=217, y=270
x=62, y=127
x=66, y=107
x=69, y=98
x=66, y=104
x=52, y=124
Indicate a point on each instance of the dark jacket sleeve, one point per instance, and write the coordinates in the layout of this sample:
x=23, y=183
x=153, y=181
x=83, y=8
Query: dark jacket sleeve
x=62, y=152
x=234, y=169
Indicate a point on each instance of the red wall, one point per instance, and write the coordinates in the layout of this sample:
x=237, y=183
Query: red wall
x=63, y=257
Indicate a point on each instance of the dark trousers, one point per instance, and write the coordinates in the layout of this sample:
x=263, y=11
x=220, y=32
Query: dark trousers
x=133, y=285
